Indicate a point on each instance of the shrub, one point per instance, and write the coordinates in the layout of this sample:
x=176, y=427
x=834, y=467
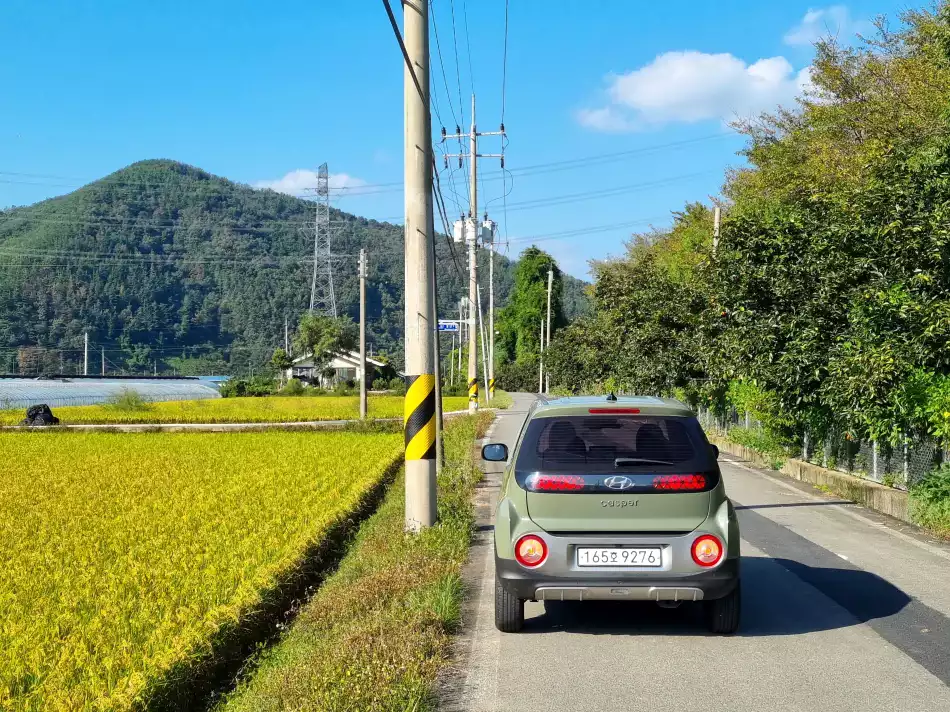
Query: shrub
x=128, y=400
x=930, y=501
x=398, y=385
x=256, y=386
x=293, y=388
x=763, y=441
x=380, y=384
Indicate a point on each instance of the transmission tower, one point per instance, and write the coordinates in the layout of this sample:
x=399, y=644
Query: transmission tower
x=322, y=297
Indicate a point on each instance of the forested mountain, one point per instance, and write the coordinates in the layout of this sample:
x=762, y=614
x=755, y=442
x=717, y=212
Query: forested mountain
x=163, y=261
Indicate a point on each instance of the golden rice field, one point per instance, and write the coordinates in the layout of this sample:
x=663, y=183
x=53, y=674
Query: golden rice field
x=281, y=409
x=123, y=555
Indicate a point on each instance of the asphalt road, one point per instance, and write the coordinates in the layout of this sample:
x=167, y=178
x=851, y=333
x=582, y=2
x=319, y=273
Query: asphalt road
x=842, y=610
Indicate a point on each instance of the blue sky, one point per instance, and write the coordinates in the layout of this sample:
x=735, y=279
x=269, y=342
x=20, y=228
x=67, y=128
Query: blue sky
x=264, y=92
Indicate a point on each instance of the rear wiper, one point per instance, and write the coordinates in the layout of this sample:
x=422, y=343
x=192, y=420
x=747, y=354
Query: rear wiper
x=631, y=461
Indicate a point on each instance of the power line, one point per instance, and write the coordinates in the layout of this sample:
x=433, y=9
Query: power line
x=405, y=54
x=468, y=46
x=602, y=193
x=458, y=81
x=504, y=65
x=440, y=202
x=438, y=46
x=397, y=186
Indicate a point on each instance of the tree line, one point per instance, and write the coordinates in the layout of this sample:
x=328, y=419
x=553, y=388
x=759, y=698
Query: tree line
x=826, y=304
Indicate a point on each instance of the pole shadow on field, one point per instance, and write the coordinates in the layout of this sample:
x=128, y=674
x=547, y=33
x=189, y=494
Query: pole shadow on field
x=779, y=597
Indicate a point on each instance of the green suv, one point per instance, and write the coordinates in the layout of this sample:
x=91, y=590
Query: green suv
x=614, y=499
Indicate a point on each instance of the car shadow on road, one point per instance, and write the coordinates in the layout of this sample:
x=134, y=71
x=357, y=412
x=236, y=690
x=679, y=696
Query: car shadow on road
x=779, y=597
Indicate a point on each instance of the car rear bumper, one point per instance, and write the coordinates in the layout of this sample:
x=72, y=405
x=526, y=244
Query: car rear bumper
x=632, y=586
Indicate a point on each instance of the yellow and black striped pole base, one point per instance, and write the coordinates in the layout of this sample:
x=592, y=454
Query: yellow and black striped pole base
x=419, y=425
x=419, y=417
x=491, y=389
x=473, y=392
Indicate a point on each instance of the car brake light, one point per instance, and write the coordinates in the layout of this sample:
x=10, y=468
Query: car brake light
x=531, y=551
x=614, y=411
x=707, y=550
x=557, y=483
x=679, y=482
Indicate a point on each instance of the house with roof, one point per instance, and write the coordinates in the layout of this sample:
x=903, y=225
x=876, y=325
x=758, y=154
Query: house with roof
x=345, y=366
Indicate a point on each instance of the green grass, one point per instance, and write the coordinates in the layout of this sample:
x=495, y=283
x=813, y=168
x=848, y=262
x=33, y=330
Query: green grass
x=127, y=557
x=502, y=399
x=282, y=409
x=376, y=633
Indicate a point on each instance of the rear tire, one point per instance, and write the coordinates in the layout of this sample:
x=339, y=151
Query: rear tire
x=722, y=614
x=509, y=609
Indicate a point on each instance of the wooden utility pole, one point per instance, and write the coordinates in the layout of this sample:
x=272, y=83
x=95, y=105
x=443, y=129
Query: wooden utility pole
x=362, y=334
x=420, y=417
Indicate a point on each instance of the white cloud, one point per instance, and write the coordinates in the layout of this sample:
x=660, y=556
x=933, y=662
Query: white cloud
x=694, y=86
x=606, y=119
x=303, y=180
x=835, y=21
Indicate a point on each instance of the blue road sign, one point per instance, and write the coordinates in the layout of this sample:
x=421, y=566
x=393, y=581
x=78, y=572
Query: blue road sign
x=448, y=326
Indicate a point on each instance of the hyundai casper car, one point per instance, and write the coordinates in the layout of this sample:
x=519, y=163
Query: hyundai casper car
x=614, y=499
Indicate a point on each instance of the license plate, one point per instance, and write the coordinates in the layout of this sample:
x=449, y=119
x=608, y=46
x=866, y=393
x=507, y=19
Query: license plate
x=617, y=556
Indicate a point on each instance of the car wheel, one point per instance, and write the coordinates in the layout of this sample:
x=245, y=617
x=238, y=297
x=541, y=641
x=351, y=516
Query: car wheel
x=509, y=610
x=722, y=614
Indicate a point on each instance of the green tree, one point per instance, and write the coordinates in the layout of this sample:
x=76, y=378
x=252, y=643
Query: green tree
x=517, y=344
x=280, y=361
x=323, y=337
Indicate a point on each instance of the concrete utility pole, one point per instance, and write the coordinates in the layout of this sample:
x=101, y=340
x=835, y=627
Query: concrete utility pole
x=481, y=329
x=362, y=334
x=286, y=337
x=541, y=361
x=85, y=353
x=420, y=396
x=717, y=218
x=472, y=228
x=462, y=303
x=547, y=383
x=103, y=360
x=436, y=349
x=491, y=318
x=472, y=241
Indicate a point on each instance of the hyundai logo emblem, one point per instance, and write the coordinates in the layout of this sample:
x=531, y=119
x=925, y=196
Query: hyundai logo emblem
x=619, y=482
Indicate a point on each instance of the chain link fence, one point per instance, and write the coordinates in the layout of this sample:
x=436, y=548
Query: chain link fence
x=898, y=466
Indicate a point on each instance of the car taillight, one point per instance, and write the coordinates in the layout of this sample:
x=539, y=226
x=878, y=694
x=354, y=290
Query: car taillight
x=531, y=551
x=614, y=411
x=707, y=550
x=557, y=483
x=679, y=482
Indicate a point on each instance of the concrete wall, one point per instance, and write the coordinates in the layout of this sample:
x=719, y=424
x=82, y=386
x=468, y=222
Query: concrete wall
x=886, y=500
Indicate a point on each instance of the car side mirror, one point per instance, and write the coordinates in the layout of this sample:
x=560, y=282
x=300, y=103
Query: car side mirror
x=715, y=451
x=495, y=452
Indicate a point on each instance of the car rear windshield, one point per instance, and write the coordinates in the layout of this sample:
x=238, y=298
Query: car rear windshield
x=608, y=442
